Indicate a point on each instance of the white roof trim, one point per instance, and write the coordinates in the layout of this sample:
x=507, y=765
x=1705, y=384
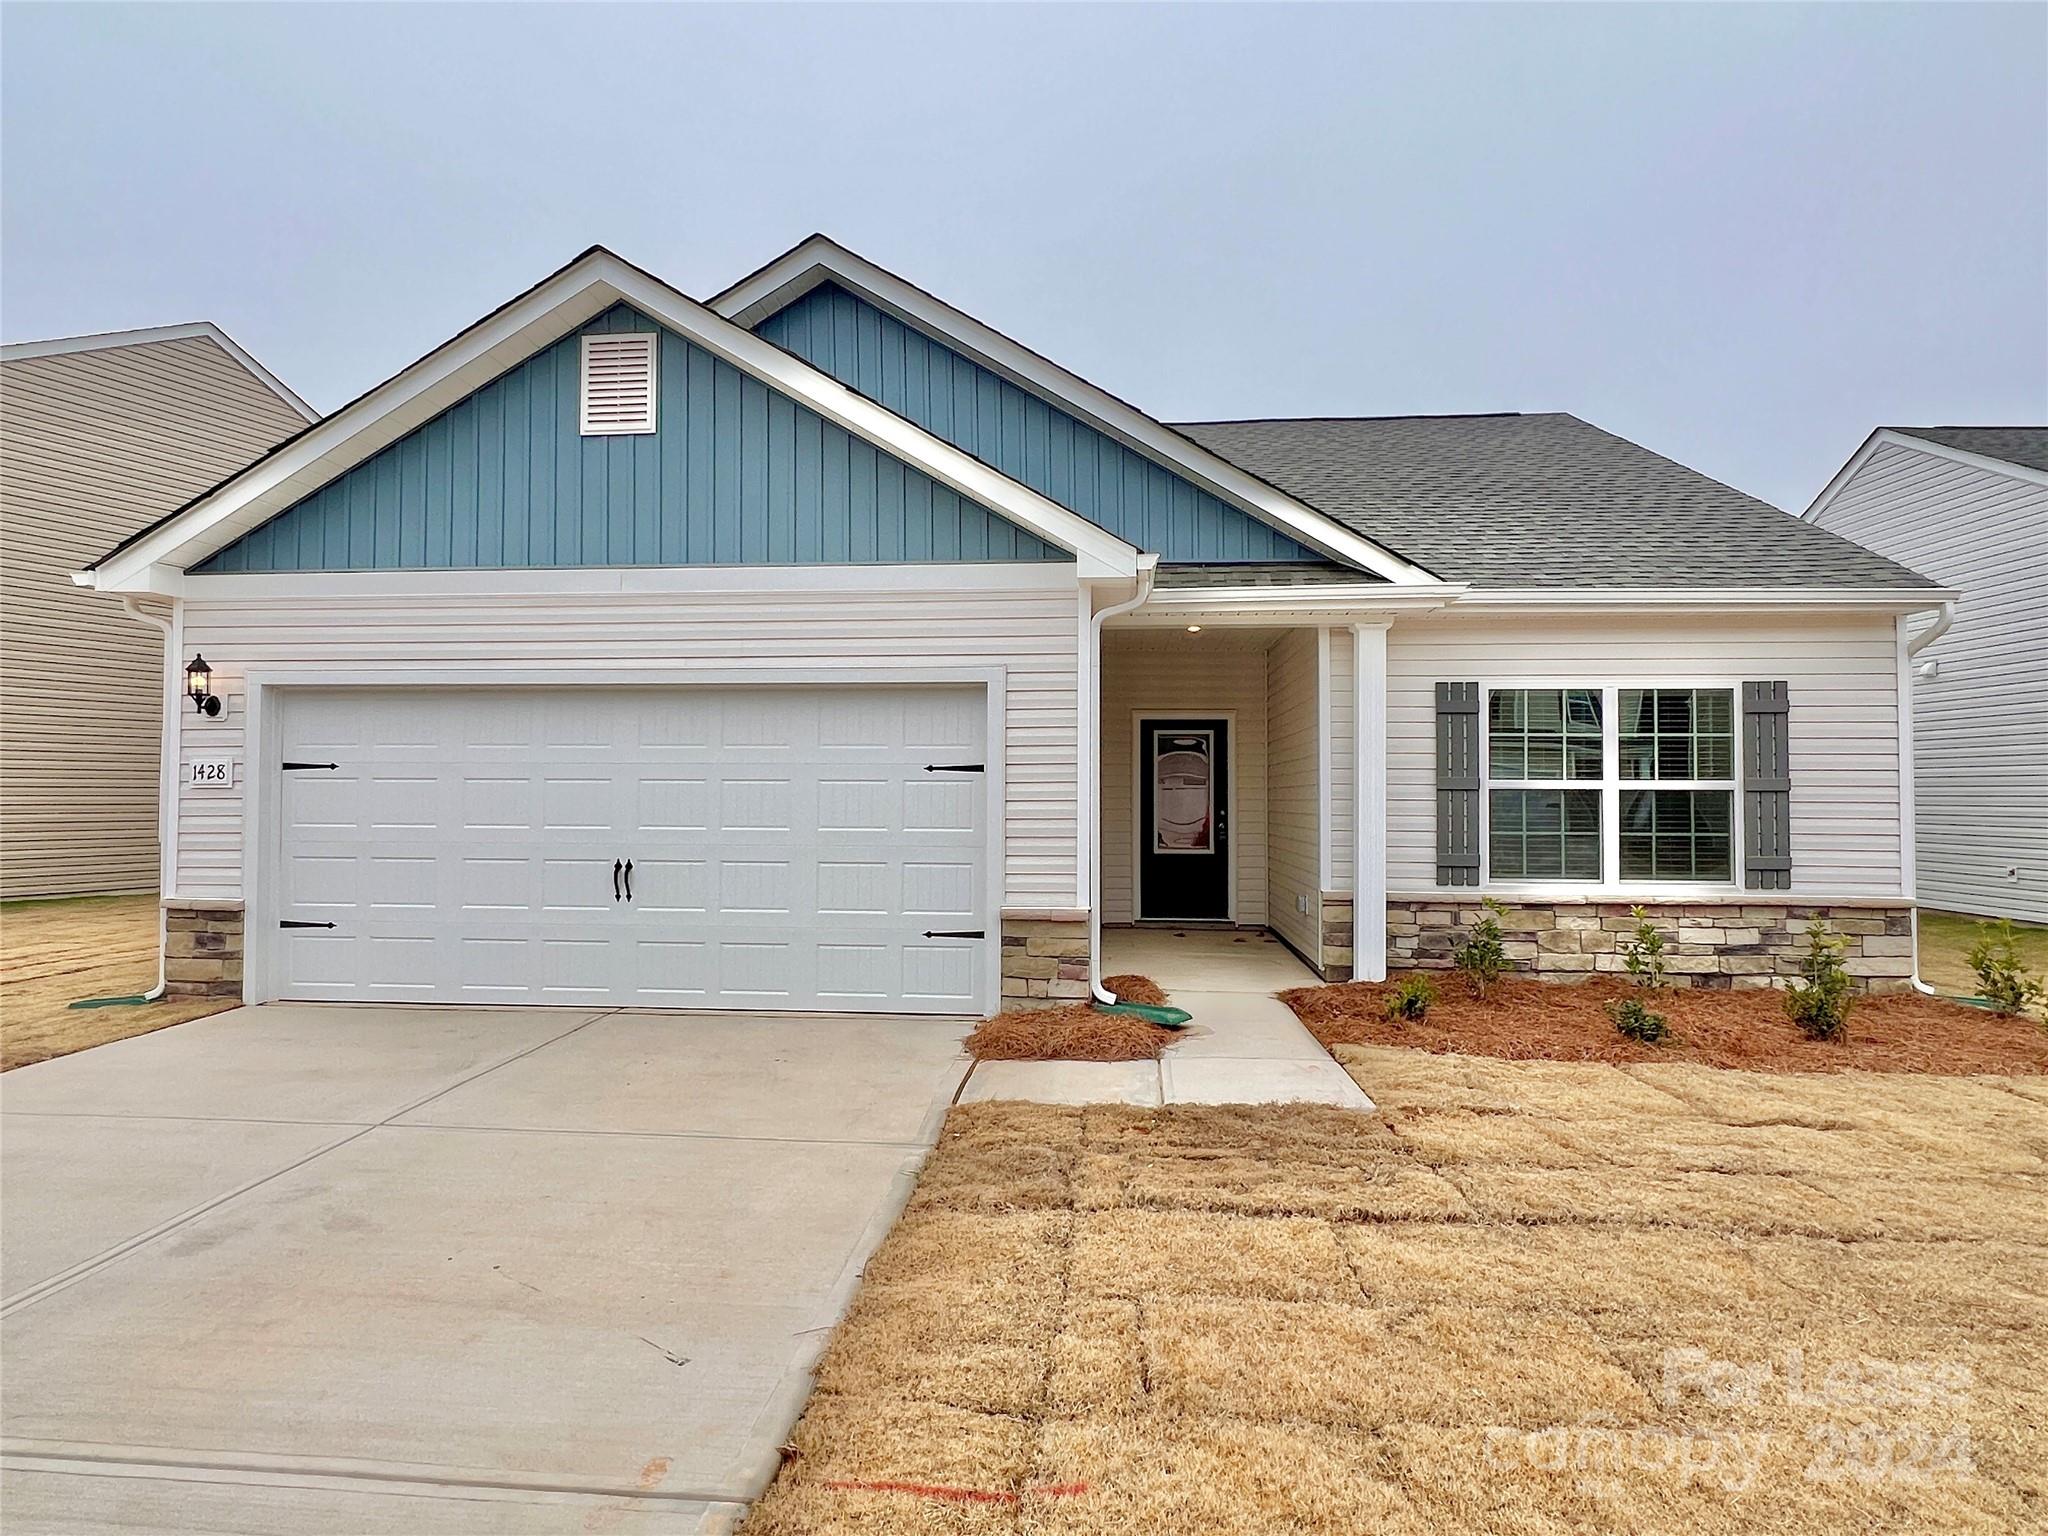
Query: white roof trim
x=61, y=346
x=537, y=318
x=797, y=271
x=1885, y=437
x=1714, y=599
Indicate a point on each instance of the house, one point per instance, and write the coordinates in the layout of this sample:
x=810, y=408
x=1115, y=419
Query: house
x=1969, y=506
x=99, y=436
x=819, y=647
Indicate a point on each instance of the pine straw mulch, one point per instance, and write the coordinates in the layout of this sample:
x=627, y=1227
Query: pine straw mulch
x=1522, y=1019
x=1075, y=1031
x=1492, y=1308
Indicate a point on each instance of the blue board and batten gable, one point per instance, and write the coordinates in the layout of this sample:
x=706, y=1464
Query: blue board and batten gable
x=978, y=411
x=735, y=474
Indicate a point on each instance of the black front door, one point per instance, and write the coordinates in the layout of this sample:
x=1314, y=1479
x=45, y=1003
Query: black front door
x=1183, y=820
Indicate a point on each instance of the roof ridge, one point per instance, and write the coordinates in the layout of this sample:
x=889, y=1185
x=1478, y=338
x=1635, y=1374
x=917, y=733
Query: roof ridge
x=1250, y=421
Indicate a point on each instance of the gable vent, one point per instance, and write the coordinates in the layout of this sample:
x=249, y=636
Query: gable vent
x=618, y=383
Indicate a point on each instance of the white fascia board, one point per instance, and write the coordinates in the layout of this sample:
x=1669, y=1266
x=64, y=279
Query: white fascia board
x=1885, y=437
x=711, y=582
x=531, y=322
x=1704, y=599
x=1268, y=605
x=62, y=346
x=817, y=259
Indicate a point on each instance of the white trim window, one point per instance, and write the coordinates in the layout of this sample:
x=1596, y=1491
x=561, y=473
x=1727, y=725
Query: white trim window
x=1610, y=785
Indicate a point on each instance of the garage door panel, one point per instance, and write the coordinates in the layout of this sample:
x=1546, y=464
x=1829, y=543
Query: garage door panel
x=789, y=847
x=941, y=805
x=577, y=887
x=939, y=890
x=674, y=805
x=400, y=883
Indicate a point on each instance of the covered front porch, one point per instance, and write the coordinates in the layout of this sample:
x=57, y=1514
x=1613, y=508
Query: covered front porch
x=1242, y=1045
x=1242, y=790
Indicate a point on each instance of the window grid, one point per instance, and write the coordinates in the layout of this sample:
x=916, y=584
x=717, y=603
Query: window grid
x=1676, y=829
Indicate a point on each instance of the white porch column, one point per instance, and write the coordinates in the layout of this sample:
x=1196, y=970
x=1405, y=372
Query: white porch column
x=1369, y=863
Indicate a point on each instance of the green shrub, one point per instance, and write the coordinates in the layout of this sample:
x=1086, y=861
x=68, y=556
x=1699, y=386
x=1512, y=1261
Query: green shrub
x=1634, y=1019
x=1643, y=952
x=1410, y=1001
x=2002, y=980
x=1819, y=1001
x=1481, y=956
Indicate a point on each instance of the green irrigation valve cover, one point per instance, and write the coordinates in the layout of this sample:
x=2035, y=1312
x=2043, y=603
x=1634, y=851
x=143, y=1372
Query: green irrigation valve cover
x=1152, y=1013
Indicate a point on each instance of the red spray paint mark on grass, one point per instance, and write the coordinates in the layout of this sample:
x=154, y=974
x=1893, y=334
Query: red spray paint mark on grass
x=959, y=1495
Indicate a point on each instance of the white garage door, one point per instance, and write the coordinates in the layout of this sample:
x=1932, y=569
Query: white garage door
x=771, y=848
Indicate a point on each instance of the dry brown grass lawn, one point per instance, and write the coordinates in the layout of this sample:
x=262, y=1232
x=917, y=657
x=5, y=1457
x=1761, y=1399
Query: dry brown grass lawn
x=52, y=953
x=1517, y=1299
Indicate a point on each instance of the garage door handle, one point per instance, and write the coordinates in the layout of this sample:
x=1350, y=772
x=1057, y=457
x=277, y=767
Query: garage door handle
x=955, y=767
x=616, y=867
x=293, y=923
x=954, y=933
x=629, y=879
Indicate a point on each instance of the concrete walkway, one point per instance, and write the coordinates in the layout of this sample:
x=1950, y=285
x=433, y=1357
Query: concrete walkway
x=408, y=1270
x=1243, y=1045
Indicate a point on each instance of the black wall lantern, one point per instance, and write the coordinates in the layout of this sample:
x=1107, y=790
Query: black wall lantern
x=199, y=686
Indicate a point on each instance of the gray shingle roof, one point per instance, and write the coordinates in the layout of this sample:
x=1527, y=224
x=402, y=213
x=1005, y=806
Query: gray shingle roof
x=2025, y=446
x=1539, y=501
x=1298, y=573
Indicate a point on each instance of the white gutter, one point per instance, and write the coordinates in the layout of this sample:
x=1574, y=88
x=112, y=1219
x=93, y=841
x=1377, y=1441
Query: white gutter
x=167, y=783
x=1147, y=565
x=1929, y=635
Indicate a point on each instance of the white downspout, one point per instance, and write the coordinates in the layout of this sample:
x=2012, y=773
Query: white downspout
x=1910, y=677
x=167, y=782
x=1147, y=565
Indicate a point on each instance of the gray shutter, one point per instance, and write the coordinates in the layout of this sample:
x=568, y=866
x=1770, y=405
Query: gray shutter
x=1457, y=783
x=1766, y=788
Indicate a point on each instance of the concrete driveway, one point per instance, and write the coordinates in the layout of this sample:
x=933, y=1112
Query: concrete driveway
x=329, y=1269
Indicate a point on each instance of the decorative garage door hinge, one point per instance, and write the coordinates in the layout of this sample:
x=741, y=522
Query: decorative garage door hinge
x=294, y=923
x=299, y=767
x=954, y=933
x=954, y=767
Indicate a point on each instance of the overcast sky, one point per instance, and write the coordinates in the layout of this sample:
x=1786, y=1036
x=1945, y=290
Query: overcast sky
x=1740, y=235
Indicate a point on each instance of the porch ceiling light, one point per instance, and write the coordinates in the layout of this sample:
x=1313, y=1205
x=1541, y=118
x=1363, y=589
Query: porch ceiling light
x=199, y=686
x=1194, y=629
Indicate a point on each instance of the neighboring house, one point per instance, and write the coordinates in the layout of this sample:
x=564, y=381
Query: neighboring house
x=1969, y=506
x=100, y=436
x=819, y=647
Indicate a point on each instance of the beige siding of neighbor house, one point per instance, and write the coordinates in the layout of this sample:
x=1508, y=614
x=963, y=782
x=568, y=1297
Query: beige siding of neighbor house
x=93, y=446
x=1980, y=748
x=1842, y=672
x=1021, y=620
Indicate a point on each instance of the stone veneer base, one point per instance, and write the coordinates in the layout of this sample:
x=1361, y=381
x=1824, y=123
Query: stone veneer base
x=1746, y=943
x=1338, y=959
x=202, y=949
x=1045, y=961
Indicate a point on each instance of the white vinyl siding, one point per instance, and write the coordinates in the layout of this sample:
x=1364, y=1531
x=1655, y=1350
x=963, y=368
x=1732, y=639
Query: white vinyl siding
x=1172, y=673
x=93, y=446
x=1844, y=722
x=1980, y=739
x=985, y=618
x=1294, y=896
x=1343, y=757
